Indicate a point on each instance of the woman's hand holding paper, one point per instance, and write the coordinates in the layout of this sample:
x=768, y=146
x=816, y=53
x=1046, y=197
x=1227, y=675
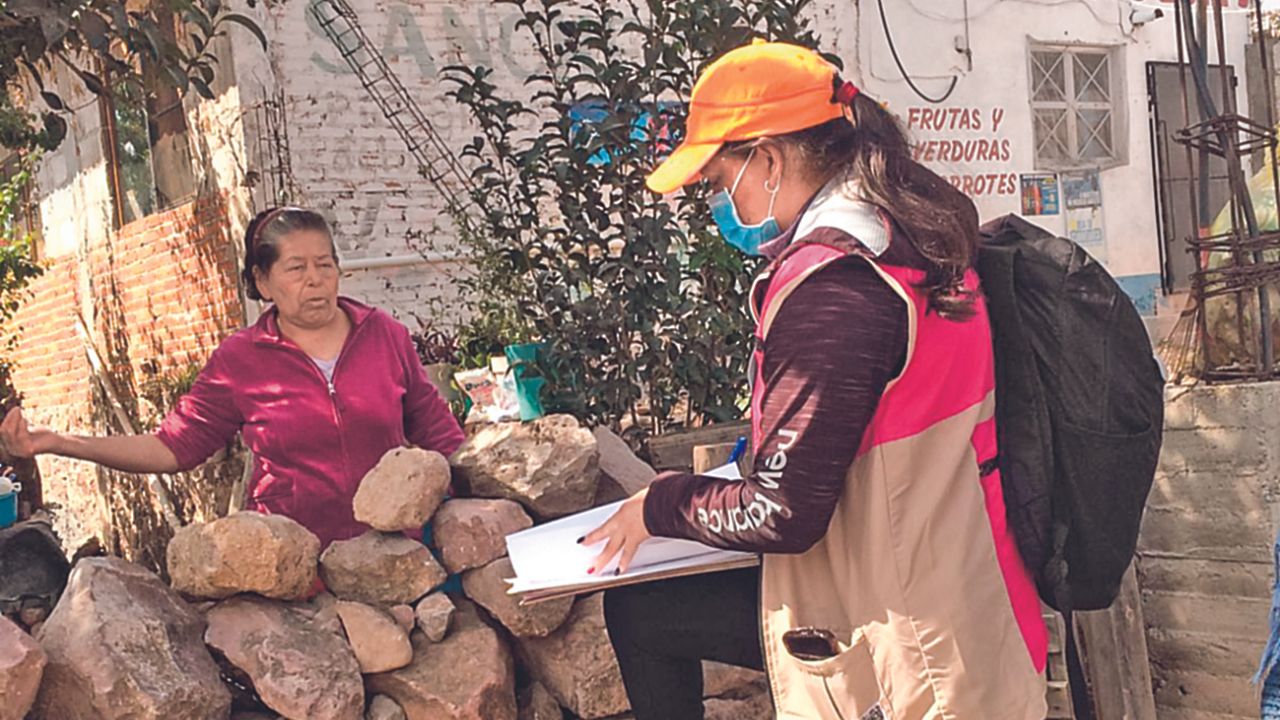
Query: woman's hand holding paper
x=623, y=533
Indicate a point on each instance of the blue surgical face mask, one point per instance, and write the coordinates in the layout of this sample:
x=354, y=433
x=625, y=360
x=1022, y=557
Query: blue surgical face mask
x=747, y=238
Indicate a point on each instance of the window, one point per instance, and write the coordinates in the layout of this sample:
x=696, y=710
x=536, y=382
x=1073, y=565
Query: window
x=1074, y=120
x=145, y=134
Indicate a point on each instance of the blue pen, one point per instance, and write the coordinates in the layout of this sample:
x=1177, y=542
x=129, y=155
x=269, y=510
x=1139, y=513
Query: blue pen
x=738, y=449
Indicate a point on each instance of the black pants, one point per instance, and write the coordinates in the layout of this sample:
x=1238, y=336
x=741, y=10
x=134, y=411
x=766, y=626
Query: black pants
x=662, y=631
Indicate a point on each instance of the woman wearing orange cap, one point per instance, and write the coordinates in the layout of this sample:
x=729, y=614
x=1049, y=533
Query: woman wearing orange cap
x=890, y=585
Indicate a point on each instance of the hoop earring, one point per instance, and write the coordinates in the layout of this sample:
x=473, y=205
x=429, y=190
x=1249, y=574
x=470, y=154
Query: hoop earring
x=773, y=189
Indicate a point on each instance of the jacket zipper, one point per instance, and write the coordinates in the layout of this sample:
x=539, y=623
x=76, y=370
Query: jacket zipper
x=333, y=391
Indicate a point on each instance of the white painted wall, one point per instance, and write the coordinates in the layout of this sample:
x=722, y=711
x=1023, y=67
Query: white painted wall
x=1000, y=30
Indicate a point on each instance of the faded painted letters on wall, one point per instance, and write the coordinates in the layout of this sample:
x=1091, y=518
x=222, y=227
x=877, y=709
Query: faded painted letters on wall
x=966, y=145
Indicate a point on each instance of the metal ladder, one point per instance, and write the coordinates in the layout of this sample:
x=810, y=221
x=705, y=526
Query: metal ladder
x=436, y=161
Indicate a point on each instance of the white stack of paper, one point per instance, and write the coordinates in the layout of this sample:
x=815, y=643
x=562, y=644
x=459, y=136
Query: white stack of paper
x=549, y=562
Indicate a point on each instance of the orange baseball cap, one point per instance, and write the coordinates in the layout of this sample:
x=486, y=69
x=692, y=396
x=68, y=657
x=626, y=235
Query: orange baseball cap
x=765, y=88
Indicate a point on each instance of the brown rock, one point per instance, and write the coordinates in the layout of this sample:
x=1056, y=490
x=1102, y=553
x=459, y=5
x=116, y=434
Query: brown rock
x=404, y=617
x=576, y=663
x=379, y=642
x=719, y=680
x=472, y=532
x=380, y=569
x=402, y=490
x=488, y=587
x=550, y=465
x=536, y=703
x=121, y=644
x=253, y=716
x=323, y=611
x=247, y=552
x=468, y=676
x=34, y=630
x=384, y=708
x=619, y=464
x=299, y=669
x=434, y=614
x=21, y=667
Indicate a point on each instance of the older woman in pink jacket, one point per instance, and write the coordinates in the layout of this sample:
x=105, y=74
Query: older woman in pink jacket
x=320, y=388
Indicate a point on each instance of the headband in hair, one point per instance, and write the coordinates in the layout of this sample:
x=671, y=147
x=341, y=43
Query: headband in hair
x=266, y=220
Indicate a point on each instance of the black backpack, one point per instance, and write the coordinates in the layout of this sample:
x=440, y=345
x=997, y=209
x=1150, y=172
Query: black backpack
x=1079, y=410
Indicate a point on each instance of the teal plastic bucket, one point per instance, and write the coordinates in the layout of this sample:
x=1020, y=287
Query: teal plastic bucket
x=9, y=508
x=523, y=360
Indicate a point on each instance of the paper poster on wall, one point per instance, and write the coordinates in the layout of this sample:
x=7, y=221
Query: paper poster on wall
x=1039, y=194
x=1081, y=189
x=1084, y=227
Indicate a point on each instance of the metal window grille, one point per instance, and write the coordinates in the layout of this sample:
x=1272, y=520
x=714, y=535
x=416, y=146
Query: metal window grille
x=1073, y=117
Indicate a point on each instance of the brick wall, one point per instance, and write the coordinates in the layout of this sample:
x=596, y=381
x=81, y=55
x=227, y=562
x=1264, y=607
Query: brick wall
x=1205, y=564
x=161, y=293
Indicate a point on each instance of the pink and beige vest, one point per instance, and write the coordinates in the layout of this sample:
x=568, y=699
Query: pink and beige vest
x=918, y=575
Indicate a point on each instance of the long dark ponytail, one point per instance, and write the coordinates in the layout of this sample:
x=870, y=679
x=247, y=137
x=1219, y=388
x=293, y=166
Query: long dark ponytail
x=939, y=221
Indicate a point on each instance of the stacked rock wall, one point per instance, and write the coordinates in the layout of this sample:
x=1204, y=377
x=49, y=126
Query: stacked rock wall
x=260, y=623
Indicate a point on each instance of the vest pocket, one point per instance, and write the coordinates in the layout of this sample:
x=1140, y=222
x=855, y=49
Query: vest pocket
x=847, y=683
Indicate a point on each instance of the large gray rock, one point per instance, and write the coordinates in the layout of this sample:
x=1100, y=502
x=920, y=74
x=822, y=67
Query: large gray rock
x=378, y=640
x=380, y=569
x=299, y=669
x=488, y=587
x=402, y=490
x=247, y=552
x=550, y=465
x=576, y=663
x=123, y=646
x=21, y=667
x=468, y=676
x=382, y=707
x=536, y=703
x=433, y=616
x=472, y=532
x=619, y=463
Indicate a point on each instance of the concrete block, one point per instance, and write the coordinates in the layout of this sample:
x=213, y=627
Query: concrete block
x=1219, y=448
x=1240, y=618
x=1207, y=533
x=1180, y=409
x=1205, y=577
x=1200, y=652
x=1222, y=696
x=1224, y=406
x=1241, y=493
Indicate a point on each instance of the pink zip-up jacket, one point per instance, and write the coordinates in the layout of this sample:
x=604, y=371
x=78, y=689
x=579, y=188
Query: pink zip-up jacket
x=312, y=440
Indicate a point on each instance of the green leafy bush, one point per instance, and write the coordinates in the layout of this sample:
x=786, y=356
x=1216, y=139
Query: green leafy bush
x=17, y=269
x=641, y=306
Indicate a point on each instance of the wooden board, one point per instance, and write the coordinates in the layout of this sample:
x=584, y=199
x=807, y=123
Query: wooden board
x=708, y=457
x=1113, y=647
x=675, y=451
x=1058, y=690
